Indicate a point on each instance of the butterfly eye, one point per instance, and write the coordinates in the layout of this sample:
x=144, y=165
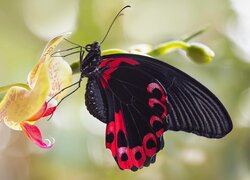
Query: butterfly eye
x=88, y=47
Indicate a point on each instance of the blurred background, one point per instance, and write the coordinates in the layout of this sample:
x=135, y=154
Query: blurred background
x=79, y=151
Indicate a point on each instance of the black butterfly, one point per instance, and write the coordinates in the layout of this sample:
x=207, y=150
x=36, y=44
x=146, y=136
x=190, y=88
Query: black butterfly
x=139, y=98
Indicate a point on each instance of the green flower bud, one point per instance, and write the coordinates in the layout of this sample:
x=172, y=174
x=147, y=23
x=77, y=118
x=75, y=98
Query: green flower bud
x=200, y=53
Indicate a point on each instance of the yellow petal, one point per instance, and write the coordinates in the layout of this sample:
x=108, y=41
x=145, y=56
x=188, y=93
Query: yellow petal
x=4, y=89
x=20, y=104
x=60, y=76
x=50, y=47
x=46, y=56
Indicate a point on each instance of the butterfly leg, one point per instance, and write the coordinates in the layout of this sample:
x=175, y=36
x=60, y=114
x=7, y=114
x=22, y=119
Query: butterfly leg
x=69, y=49
x=76, y=83
x=63, y=90
x=63, y=56
x=79, y=85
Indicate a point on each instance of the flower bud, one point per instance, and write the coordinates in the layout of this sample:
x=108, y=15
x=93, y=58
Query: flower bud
x=200, y=53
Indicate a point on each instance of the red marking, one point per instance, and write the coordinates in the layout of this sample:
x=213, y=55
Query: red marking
x=105, y=62
x=112, y=64
x=115, y=62
x=159, y=132
x=162, y=102
x=153, y=86
x=152, y=120
x=114, y=127
x=124, y=164
x=112, y=146
x=152, y=151
x=106, y=74
x=153, y=101
x=104, y=84
x=119, y=123
x=140, y=162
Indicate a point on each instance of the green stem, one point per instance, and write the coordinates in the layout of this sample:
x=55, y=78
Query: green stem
x=113, y=51
x=168, y=47
x=195, y=34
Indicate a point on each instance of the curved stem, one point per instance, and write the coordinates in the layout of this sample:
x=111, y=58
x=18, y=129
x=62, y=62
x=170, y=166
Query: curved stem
x=168, y=47
x=195, y=34
x=113, y=51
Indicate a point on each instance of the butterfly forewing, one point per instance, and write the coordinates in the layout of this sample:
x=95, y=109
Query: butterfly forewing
x=192, y=107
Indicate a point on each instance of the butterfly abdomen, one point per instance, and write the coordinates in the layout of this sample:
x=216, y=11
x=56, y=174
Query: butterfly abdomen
x=95, y=100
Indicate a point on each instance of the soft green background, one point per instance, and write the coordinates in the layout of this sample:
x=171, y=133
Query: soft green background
x=79, y=151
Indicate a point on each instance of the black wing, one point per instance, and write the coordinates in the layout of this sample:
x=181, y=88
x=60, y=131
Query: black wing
x=146, y=97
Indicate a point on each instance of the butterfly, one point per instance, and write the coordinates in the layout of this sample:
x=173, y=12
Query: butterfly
x=139, y=98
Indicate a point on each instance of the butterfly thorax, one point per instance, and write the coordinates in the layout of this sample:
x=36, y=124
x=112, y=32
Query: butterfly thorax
x=89, y=65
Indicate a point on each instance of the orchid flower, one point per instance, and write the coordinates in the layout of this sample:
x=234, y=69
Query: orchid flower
x=24, y=104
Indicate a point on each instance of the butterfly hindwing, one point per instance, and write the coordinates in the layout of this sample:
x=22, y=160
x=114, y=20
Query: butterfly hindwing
x=137, y=119
x=144, y=98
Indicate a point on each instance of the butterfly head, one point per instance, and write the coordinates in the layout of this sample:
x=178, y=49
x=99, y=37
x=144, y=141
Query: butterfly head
x=95, y=46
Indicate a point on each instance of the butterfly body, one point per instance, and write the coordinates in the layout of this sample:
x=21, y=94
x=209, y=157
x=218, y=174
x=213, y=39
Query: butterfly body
x=139, y=98
x=95, y=101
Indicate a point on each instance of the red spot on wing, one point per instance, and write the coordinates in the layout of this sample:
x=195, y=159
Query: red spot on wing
x=152, y=150
x=154, y=119
x=110, y=130
x=114, y=127
x=153, y=86
x=119, y=122
x=162, y=101
x=138, y=162
x=153, y=101
x=124, y=152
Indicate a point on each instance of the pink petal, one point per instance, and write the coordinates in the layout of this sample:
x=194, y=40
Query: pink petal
x=51, y=106
x=49, y=111
x=34, y=134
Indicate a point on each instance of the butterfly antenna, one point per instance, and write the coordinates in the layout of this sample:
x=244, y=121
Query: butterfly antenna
x=118, y=14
